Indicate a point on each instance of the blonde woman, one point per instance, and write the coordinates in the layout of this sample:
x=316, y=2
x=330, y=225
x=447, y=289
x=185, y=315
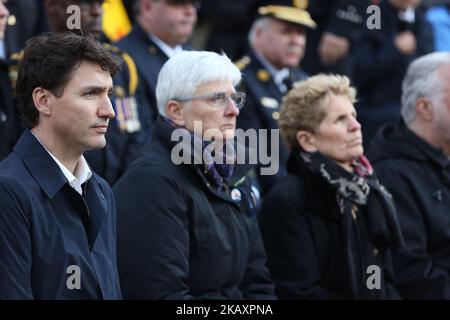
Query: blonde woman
x=329, y=225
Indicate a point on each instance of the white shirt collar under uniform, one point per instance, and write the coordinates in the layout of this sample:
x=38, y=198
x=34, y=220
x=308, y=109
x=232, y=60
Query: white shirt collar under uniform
x=82, y=171
x=2, y=50
x=278, y=75
x=168, y=50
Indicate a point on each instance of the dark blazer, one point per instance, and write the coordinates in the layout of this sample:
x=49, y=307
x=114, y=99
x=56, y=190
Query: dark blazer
x=418, y=176
x=180, y=238
x=262, y=107
x=301, y=226
x=46, y=227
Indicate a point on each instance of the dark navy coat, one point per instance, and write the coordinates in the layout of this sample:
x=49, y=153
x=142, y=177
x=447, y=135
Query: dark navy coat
x=180, y=238
x=418, y=177
x=46, y=227
x=262, y=106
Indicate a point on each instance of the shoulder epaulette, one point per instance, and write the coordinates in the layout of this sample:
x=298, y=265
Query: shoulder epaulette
x=111, y=47
x=243, y=62
x=132, y=70
x=16, y=56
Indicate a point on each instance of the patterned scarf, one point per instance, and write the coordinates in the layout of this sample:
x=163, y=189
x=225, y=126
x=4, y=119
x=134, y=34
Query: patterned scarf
x=360, y=188
x=216, y=160
x=218, y=172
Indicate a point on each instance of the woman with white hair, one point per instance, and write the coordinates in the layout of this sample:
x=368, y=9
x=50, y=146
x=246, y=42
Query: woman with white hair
x=186, y=225
x=329, y=225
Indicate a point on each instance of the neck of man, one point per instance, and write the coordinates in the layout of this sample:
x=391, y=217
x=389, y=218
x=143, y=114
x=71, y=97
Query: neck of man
x=430, y=135
x=63, y=152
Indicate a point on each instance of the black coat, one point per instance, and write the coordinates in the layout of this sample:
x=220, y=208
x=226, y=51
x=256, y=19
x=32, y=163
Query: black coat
x=301, y=227
x=262, y=108
x=179, y=238
x=418, y=176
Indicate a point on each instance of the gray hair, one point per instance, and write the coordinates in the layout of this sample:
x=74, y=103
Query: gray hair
x=422, y=80
x=259, y=23
x=182, y=74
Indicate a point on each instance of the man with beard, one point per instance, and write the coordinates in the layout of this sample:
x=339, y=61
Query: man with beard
x=277, y=40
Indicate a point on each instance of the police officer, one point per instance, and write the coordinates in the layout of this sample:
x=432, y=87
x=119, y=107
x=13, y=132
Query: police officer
x=161, y=30
x=127, y=133
x=277, y=39
x=26, y=19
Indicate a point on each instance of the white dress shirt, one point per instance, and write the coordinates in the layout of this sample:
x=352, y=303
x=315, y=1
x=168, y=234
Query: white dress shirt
x=82, y=171
x=168, y=50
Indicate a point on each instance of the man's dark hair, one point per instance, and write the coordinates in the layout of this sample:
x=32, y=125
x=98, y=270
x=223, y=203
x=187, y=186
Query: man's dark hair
x=49, y=61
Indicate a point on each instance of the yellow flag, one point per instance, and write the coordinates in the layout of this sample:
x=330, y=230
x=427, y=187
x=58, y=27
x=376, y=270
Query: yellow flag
x=116, y=23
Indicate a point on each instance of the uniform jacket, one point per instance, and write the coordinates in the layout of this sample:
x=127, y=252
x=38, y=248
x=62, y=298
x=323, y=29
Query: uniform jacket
x=262, y=106
x=149, y=58
x=47, y=228
x=7, y=115
x=418, y=176
x=180, y=238
x=301, y=226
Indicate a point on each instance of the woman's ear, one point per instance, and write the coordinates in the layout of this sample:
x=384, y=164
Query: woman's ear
x=174, y=112
x=306, y=140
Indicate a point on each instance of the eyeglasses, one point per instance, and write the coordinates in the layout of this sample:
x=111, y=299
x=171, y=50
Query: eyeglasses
x=220, y=99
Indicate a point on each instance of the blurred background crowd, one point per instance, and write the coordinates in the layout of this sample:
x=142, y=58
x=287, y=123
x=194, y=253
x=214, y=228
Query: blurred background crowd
x=282, y=49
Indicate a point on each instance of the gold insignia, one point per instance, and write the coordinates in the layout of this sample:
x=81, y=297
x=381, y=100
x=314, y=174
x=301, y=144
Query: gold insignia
x=243, y=62
x=276, y=115
x=291, y=14
x=16, y=55
x=12, y=20
x=152, y=49
x=301, y=4
x=110, y=47
x=13, y=75
x=270, y=103
x=115, y=49
x=119, y=91
x=263, y=75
